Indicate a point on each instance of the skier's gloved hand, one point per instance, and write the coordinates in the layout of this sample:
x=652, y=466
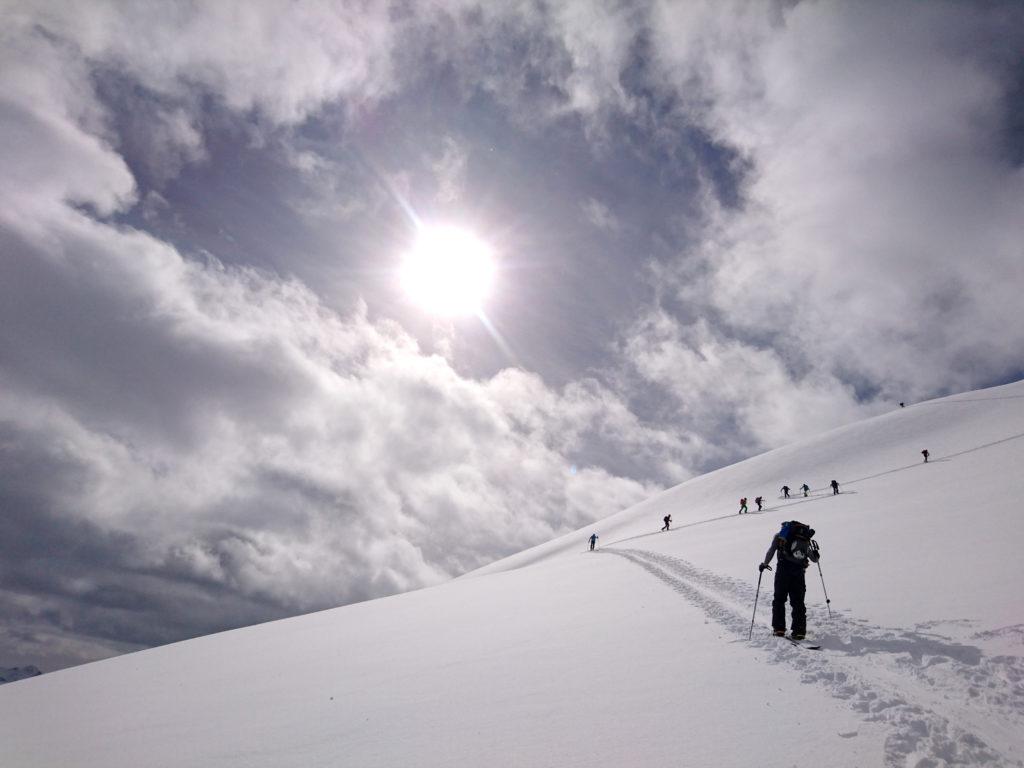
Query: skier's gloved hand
x=762, y=567
x=814, y=556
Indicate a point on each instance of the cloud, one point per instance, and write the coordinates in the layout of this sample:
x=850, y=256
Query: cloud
x=600, y=215
x=874, y=254
x=160, y=138
x=281, y=59
x=743, y=395
x=450, y=170
x=56, y=146
x=331, y=187
x=876, y=242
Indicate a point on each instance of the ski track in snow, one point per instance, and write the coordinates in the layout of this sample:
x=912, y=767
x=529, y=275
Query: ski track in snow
x=946, y=703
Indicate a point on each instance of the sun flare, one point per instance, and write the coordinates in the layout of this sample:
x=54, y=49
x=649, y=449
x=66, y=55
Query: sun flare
x=448, y=271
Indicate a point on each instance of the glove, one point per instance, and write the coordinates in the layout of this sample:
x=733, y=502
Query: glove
x=762, y=567
x=815, y=554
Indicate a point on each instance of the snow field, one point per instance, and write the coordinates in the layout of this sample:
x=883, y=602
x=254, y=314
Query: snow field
x=572, y=663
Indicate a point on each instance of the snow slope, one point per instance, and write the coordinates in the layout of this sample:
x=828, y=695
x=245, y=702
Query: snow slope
x=636, y=654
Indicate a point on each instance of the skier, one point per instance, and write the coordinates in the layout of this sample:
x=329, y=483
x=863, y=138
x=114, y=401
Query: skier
x=760, y=502
x=902, y=405
x=593, y=541
x=805, y=488
x=785, y=491
x=925, y=454
x=743, y=505
x=835, y=488
x=794, y=551
x=668, y=522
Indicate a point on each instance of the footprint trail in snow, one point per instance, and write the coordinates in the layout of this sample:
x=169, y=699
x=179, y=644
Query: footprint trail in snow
x=946, y=703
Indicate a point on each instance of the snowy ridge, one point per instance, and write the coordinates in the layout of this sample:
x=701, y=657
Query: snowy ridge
x=637, y=653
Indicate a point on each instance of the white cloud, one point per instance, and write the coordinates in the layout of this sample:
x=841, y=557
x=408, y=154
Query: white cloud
x=450, y=170
x=173, y=140
x=329, y=192
x=880, y=234
x=876, y=250
x=52, y=131
x=600, y=215
x=281, y=58
x=742, y=395
x=598, y=38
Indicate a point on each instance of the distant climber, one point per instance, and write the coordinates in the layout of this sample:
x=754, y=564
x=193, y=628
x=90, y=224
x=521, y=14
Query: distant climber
x=793, y=549
x=785, y=491
x=760, y=503
x=743, y=505
x=668, y=522
x=805, y=488
x=925, y=454
x=903, y=405
x=835, y=487
x=593, y=541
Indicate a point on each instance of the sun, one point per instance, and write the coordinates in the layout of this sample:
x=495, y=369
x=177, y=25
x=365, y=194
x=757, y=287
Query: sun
x=448, y=271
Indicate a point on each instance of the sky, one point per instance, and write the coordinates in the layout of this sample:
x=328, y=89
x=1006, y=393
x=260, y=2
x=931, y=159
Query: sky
x=718, y=228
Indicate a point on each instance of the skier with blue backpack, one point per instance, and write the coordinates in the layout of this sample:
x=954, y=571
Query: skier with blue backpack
x=794, y=549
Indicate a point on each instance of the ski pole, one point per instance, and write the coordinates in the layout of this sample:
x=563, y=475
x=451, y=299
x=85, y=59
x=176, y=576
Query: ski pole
x=828, y=603
x=756, y=594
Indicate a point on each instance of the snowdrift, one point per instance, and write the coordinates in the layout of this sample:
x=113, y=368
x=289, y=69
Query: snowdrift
x=635, y=654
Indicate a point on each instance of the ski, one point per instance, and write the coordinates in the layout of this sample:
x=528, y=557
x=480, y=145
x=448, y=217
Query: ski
x=799, y=643
x=804, y=644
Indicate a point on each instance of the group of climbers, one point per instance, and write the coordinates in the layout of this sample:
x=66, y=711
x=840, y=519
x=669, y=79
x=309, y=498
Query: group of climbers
x=807, y=489
x=793, y=549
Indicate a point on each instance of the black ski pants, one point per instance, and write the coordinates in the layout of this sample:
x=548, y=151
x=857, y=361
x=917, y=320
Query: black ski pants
x=789, y=583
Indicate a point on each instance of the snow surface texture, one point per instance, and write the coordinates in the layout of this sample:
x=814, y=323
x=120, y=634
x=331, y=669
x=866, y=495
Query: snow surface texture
x=635, y=654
